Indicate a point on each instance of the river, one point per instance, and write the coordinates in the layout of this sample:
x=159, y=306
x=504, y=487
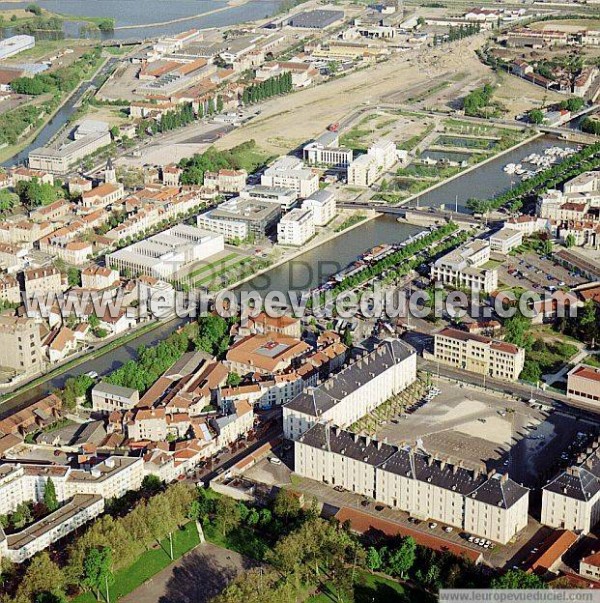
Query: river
x=60, y=118
x=313, y=267
x=128, y=13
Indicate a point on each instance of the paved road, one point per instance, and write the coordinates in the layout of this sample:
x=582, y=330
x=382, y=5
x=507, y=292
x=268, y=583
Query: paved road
x=197, y=577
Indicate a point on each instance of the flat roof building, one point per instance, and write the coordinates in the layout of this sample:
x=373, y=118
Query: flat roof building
x=316, y=19
x=465, y=267
x=290, y=172
x=479, y=354
x=296, y=227
x=259, y=216
x=164, y=254
x=15, y=44
x=583, y=384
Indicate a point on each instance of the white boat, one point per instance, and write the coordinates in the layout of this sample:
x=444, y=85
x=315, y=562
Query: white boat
x=510, y=168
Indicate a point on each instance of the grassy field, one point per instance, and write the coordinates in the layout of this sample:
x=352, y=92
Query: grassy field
x=370, y=588
x=149, y=564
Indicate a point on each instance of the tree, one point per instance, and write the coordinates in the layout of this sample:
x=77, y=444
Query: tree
x=547, y=247
x=35, y=193
x=97, y=567
x=42, y=576
x=7, y=200
x=152, y=484
x=50, y=499
x=74, y=276
x=536, y=116
x=227, y=515
x=219, y=104
x=518, y=579
x=373, y=559
x=516, y=330
x=347, y=338
x=35, y=9
x=286, y=505
x=233, y=380
x=401, y=560
x=570, y=240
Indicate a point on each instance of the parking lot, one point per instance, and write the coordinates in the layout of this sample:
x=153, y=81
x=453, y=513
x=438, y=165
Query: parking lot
x=536, y=273
x=490, y=431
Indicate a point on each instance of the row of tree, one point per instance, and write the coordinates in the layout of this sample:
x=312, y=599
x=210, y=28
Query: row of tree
x=279, y=84
x=178, y=118
x=457, y=33
x=107, y=545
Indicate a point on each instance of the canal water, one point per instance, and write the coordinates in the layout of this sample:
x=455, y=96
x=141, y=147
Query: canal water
x=487, y=180
x=128, y=13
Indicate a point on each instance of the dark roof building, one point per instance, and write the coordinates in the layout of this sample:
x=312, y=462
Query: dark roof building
x=316, y=19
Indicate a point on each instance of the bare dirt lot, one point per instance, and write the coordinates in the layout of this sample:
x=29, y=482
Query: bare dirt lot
x=287, y=122
x=489, y=431
x=198, y=576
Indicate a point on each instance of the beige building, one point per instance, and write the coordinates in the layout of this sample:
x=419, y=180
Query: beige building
x=148, y=424
x=367, y=168
x=103, y=195
x=355, y=391
x=323, y=206
x=226, y=181
x=99, y=277
x=9, y=289
x=590, y=566
x=41, y=281
x=107, y=398
x=583, y=384
x=487, y=505
x=20, y=345
x=464, y=267
x=505, y=240
x=479, y=354
x=289, y=172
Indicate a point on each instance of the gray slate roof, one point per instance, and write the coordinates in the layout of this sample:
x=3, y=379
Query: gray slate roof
x=321, y=399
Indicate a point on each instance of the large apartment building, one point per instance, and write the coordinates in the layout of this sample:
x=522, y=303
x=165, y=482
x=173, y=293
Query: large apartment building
x=355, y=391
x=464, y=267
x=296, y=227
x=571, y=500
x=82, y=490
x=478, y=354
x=487, y=505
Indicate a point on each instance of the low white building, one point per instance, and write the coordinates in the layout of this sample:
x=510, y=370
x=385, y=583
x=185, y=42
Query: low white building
x=326, y=150
x=323, y=206
x=505, y=240
x=465, y=267
x=163, y=254
x=367, y=168
x=296, y=227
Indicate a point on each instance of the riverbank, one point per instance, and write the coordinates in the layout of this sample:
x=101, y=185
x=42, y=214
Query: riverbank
x=470, y=169
x=231, y=4
x=370, y=215
x=9, y=153
x=75, y=362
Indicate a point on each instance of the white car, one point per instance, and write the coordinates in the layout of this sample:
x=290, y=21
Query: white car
x=448, y=529
x=432, y=525
x=274, y=460
x=92, y=375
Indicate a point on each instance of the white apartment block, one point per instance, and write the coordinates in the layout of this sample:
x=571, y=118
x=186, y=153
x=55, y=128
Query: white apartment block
x=464, y=267
x=289, y=172
x=326, y=150
x=82, y=491
x=296, y=227
x=355, y=391
x=323, y=206
x=505, y=240
x=24, y=544
x=479, y=354
x=226, y=181
x=571, y=500
x=231, y=230
x=487, y=505
x=365, y=169
x=286, y=198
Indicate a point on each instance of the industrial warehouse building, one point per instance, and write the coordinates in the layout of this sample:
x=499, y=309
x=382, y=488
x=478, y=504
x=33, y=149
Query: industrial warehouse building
x=164, y=254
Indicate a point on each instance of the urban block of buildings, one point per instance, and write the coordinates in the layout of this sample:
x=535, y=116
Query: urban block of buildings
x=465, y=267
